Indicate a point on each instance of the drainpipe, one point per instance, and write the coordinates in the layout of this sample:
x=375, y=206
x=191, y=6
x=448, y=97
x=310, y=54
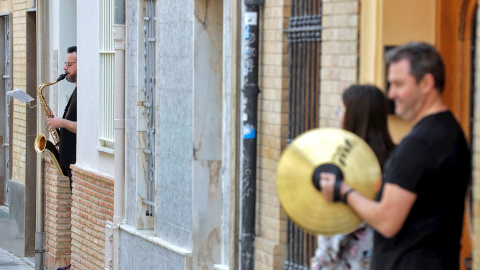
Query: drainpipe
x=249, y=118
x=235, y=144
x=119, y=126
x=42, y=57
x=119, y=112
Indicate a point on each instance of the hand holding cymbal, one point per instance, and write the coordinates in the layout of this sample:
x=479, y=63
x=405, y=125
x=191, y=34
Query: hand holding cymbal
x=332, y=186
x=326, y=150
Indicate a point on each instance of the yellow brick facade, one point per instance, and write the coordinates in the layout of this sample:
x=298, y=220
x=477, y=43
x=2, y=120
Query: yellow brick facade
x=19, y=81
x=270, y=248
x=339, y=55
x=338, y=70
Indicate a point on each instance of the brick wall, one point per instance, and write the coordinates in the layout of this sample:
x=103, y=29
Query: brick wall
x=340, y=44
x=58, y=204
x=92, y=207
x=339, y=70
x=19, y=76
x=270, y=249
x=5, y=6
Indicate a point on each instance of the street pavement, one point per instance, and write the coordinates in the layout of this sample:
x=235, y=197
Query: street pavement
x=9, y=261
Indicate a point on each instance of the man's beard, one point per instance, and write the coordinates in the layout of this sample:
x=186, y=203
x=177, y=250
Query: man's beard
x=72, y=78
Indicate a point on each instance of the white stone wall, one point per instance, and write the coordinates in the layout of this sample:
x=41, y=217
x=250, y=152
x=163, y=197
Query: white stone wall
x=138, y=253
x=228, y=110
x=134, y=39
x=88, y=95
x=189, y=211
x=174, y=135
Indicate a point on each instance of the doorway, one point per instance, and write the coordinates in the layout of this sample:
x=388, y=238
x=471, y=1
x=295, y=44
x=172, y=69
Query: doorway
x=455, y=28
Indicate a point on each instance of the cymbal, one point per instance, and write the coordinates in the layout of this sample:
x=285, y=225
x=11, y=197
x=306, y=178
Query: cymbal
x=325, y=149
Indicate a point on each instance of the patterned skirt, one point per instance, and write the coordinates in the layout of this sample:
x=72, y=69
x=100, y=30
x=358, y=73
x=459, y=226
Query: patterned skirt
x=344, y=251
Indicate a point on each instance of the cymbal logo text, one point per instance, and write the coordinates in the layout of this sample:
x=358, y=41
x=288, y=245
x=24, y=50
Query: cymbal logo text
x=342, y=152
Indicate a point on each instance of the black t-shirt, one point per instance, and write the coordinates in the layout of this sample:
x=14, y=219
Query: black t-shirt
x=68, y=139
x=433, y=161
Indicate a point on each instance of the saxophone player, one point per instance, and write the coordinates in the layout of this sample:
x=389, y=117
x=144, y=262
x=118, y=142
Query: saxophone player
x=68, y=123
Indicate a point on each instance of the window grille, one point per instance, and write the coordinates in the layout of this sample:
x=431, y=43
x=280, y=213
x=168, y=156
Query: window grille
x=149, y=104
x=106, y=132
x=304, y=34
x=5, y=23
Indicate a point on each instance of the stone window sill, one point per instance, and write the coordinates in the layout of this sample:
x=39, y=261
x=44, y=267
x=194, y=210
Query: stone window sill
x=104, y=149
x=148, y=235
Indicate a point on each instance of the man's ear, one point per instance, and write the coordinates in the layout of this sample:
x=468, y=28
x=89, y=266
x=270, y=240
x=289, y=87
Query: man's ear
x=427, y=83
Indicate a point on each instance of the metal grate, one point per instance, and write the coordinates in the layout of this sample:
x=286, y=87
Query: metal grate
x=8, y=87
x=107, y=74
x=149, y=103
x=304, y=34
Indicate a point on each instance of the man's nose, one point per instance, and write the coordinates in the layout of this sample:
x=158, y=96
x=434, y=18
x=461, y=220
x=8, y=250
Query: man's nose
x=391, y=93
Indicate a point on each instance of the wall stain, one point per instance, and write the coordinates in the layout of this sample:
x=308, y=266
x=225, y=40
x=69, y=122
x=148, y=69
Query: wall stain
x=207, y=250
x=213, y=185
x=201, y=12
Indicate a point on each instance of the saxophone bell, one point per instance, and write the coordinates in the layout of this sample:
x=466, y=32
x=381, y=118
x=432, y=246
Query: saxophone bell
x=40, y=143
x=43, y=144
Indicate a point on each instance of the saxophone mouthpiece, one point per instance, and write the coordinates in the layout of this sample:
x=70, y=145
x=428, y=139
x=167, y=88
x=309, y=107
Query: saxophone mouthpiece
x=61, y=77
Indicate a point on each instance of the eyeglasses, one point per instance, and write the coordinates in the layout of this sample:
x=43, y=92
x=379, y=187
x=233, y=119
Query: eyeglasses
x=69, y=64
x=338, y=110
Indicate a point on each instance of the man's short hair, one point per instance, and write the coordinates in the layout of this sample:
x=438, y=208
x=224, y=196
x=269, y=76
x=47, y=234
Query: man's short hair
x=423, y=58
x=72, y=49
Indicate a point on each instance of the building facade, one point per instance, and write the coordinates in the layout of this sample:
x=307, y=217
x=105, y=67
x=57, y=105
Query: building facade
x=18, y=126
x=159, y=181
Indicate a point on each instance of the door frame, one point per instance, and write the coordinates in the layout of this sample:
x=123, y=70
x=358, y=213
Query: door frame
x=457, y=19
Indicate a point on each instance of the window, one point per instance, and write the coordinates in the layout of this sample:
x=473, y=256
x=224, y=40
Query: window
x=149, y=104
x=5, y=85
x=304, y=34
x=106, y=134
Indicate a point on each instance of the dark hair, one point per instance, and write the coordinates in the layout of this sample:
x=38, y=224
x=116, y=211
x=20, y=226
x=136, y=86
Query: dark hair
x=423, y=58
x=72, y=49
x=366, y=116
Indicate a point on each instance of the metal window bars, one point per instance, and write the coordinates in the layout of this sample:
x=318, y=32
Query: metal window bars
x=149, y=104
x=304, y=34
x=7, y=86
x=107, y=76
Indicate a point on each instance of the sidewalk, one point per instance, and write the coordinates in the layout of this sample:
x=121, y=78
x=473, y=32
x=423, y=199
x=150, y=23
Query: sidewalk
x=8, y=261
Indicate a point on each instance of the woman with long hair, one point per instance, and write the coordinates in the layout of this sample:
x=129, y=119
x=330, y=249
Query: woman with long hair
x=363, y=112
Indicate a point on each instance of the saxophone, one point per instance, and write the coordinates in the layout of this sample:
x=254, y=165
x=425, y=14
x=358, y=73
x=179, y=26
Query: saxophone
x=41, y=142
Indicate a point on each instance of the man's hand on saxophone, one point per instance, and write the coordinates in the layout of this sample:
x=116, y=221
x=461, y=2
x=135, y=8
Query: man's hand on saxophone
x=57, y=122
